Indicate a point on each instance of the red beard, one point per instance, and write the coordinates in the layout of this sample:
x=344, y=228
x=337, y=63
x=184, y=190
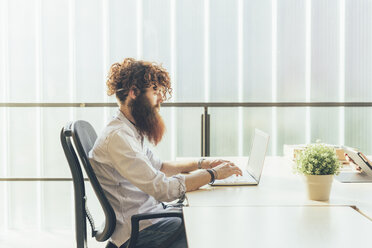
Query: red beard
x=149, y=123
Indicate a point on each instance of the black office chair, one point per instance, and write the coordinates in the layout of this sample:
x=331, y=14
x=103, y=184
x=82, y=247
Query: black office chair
x=83, y=135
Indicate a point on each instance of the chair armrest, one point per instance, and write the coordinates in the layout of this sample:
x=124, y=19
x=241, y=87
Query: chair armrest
x=145, y=216
x=154, y=215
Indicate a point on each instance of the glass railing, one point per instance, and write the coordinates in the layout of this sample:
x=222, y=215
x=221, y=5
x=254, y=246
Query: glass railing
x=30, y=149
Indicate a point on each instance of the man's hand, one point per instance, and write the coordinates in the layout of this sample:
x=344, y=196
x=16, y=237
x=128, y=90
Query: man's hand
x=227, y=169
x=222, y=169
x=352, y=162
x=211, y=163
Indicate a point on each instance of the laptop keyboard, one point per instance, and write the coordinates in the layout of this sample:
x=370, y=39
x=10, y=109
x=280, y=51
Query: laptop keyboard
x=246, y=177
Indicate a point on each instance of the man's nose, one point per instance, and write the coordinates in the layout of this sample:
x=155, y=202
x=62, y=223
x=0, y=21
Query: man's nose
x=160, y=98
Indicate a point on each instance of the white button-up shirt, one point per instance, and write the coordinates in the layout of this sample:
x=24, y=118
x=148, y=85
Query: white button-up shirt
x=130, y=175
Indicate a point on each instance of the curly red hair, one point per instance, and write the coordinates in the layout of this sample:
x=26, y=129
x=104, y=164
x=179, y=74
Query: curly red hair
x=131, y=74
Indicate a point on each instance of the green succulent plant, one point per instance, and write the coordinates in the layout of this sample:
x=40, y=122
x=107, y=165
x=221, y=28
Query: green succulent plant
x=317, y=159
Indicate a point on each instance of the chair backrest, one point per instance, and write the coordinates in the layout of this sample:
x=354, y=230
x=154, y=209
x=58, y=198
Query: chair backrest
x=82, y=134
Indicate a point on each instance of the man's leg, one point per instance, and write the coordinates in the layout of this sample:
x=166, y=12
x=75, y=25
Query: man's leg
x=156, y=234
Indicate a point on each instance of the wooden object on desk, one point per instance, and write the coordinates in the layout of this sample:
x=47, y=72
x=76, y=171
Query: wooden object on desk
x=272, y=226
x=291, y=151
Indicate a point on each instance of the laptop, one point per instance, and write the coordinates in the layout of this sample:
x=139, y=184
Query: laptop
x=252, y=172
x=364, y=176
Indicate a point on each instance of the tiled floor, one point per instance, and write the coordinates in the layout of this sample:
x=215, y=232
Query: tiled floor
x=42, y=239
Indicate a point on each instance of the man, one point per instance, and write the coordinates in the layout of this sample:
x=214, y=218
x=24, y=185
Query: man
x=133, y=178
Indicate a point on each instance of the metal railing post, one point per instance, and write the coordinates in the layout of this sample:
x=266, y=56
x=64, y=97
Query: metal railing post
x=205, y=133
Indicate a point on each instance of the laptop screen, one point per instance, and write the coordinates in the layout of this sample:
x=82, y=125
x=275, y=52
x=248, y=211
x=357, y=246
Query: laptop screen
x=257, y=155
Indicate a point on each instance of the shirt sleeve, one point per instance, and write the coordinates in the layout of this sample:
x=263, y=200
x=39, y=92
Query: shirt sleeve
x=155, y=161
x=131, y=162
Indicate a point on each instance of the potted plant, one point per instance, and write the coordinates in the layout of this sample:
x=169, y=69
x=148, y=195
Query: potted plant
x=318, y=163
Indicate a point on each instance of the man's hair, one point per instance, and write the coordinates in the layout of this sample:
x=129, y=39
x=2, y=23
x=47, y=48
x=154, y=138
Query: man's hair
x=137, y=75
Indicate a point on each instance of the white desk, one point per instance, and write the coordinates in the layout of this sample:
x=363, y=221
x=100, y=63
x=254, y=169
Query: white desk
x=280, y=187
x=277, y=213
x=312, y=226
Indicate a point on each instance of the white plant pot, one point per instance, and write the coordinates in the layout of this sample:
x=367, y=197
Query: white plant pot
x=319, y=187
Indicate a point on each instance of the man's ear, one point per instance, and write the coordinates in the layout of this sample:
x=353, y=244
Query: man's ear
x=133, y=92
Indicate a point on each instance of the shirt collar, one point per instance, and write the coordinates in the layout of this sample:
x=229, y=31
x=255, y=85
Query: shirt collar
x=119, y=115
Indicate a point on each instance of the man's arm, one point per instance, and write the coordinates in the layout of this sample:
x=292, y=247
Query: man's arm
x=195, y=180
x=171, y=168
x=222, y=169
x=202, y=177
